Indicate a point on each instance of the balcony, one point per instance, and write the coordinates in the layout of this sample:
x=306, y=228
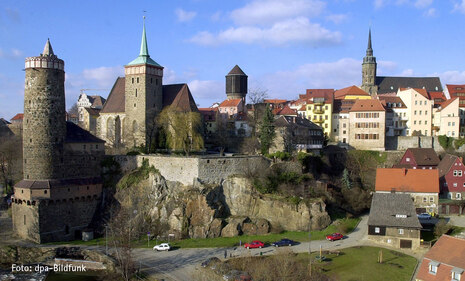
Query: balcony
x=318, y=121
x=319, y=110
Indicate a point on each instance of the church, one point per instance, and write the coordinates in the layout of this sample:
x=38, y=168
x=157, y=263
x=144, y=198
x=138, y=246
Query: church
x=128, y=117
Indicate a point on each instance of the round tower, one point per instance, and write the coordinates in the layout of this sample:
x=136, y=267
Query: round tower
x=44, y=123
x=236, y=84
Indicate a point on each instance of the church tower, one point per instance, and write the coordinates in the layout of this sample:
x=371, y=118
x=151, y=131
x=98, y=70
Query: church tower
x=44, y=124
x=236, y=84
x=369, y=70
x=143, y=95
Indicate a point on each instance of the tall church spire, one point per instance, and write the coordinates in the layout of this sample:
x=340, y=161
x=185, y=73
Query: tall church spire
x=369, y=70
x=144, y=50
x=369, y=49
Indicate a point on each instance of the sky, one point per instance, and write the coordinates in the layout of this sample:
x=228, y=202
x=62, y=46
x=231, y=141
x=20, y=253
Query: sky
x=284, y=46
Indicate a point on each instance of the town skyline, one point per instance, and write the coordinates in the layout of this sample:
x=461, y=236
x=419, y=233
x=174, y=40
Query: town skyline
x=284, y=49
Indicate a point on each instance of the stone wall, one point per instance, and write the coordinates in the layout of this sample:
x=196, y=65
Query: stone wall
x=392, y=238
x=83, y=160
x=208, y=169
x=404, y=142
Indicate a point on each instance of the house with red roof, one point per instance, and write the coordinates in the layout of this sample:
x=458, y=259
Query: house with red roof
x=419, y=158
x=231, y=107
x=444, y=261
x=452, y=177
x=17, y=119
x=458, y=91
x=421, y=185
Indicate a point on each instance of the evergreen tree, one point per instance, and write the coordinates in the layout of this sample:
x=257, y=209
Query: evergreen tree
x=267, y=132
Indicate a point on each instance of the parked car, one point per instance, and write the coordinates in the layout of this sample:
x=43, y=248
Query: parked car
x=424, y=216
x=284, y=242
x=210, y=261
x=162, y=247
x=254, y=244
x=334, y=237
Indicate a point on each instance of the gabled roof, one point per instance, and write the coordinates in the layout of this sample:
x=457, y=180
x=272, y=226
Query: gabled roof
x=422, y=92
x=407, y=180
x=455, y=88
x=437, y=95
x=116, y=98
x=179, y=97
x=319, y=93
x=448, y=253
x=92, y=111
x=284, y=111
x=274, y=101
x=4, y=122
x=446, y=103
x=18, y=116
x=97, y=101
x=349, y=91
x=236, y=71
x=446, y=163
x=425, y=156
x=144, y=57
x=76, y=134
x=230, y=103
x=284, y=121
x=385, y=207
x=390, y=100
x=367, y=105
x=389, y=84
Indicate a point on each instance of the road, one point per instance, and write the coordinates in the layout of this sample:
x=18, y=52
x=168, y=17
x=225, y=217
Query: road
x=180, y=264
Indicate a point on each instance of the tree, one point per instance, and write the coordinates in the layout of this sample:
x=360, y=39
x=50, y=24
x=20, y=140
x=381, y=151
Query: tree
x=184, y=129
x=73, y=109
x=11, y=155
x=267, y=132
x=257, y=95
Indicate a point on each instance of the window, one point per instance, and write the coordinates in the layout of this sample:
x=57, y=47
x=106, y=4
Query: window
x=419, y=122
x=401, y=231
x=459, y=173
x=458, y=196
x=425, y=199
x=455, y=171
x=433, y=267
x=426, y=112
x=431, y=199
x=415, y=122
x=137, y=79
x=407, y=159
x=456, y=275
x=455, y=184
x=416, y=102
x=415, y=112
x=420, y=104
x=376, y=229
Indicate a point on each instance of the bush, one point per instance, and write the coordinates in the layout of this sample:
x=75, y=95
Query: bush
x=446, y=142
x=284, y=156
x=137, y=175
x=442, y=227
x=133, y=152
x=459, y=142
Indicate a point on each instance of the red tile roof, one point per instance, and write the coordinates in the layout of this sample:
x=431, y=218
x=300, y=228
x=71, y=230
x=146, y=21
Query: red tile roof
x=284, y=111
x=18, y=116
x=350, y=91
x=230, y=103
x=303, y=108
x=455, y=88
x=274, y=101
x=422, y=92
x=407, y=180
x=367, y=105
x=449, y=252
x=446, y=103
x=319, y=93
x=437, y=95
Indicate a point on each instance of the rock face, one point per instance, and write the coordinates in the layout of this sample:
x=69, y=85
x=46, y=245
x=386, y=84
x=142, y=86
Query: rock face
x=230, y=209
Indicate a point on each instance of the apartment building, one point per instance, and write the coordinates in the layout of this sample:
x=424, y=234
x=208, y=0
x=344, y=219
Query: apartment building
x=396, y=115
x=419, y=113
x=367, y=125
x=446, y=119
x=458, y=91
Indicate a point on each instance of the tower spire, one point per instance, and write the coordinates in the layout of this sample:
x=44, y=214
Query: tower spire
x=48, y=48
x=144, y=51
x=369, y=48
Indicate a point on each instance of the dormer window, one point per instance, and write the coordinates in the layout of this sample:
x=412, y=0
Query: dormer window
x=456, y=273
x=433, y=267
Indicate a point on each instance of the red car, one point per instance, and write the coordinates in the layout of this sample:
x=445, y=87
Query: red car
x=254, y=244
x=334, y=237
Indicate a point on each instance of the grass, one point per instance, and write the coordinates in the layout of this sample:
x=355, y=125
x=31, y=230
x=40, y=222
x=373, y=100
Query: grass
x=268, y=238
x=361, y=263
x=94, y=242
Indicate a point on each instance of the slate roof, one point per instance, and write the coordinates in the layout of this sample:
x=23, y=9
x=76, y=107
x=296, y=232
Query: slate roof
x=97, y=101
x=93, y=111
x=76, y=134
x=116, y=98
x=385, y=207
x=446, y=163
x=283, y=121
x=350, y=91
x=388, y=84
x=425, y=156
x=407, y=180
x=367, y=105
x=4, y=122
x=179, y=97
x=449, y=252
x=392, y=100
x=236, y=71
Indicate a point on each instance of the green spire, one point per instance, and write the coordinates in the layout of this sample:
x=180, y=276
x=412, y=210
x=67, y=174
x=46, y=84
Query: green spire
x=144, y=57
x=144, y=51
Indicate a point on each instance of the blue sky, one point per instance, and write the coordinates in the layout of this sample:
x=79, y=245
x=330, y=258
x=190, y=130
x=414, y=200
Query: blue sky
x=284, y=46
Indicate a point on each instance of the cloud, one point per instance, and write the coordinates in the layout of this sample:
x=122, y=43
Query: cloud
x=451, y=76
x=337, y=18
x=184, y=16
x=459, y=7
x=207, y=89
x=288, y=31
x=407, y=73
x=431, y=12
x=421, y=4
x=11, y=54
x=270, y=11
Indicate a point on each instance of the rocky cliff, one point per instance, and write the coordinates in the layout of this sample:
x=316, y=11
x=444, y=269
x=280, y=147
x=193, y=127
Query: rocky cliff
x=228, y=209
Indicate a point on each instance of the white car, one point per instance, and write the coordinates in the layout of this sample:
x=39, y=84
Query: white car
x=162, y=247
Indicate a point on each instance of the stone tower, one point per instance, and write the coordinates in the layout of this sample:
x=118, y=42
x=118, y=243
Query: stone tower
x=236, y=84
x=369, y=70
x=143, y=95
x=44, y=125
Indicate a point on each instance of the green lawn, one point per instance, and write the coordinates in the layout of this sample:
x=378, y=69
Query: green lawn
x=268, y=238
x=360, y=263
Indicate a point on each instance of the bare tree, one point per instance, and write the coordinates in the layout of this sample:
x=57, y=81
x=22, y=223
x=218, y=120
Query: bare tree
x=184, y=129
x=73, y=109
x=11, y=155
x=257, y=95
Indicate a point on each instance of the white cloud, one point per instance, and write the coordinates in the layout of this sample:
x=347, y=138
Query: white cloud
x=451, y=77
x=459, y=7
x=271, y=11
x=11, y=54
x=207, y=89
x=407, y=72
x=421, y=4
x=337, y=18
x=292, y=30
x=431, y=12
x=185, y=16
x=379, y=4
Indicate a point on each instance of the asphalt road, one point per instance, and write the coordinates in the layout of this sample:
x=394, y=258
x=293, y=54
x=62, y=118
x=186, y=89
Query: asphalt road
x=180, y=264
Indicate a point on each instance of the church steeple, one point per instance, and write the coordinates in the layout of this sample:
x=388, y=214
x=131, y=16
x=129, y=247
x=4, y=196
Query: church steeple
x=369, y=70
x=144, y=57
x=144, y=50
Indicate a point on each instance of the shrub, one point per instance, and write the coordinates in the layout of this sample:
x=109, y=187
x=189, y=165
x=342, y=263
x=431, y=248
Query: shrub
x=137, y=175
x=444, y=141
x=442, y=227
x=133, y=152
x=284, y=156
x=459, y=142
x=295, y=200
